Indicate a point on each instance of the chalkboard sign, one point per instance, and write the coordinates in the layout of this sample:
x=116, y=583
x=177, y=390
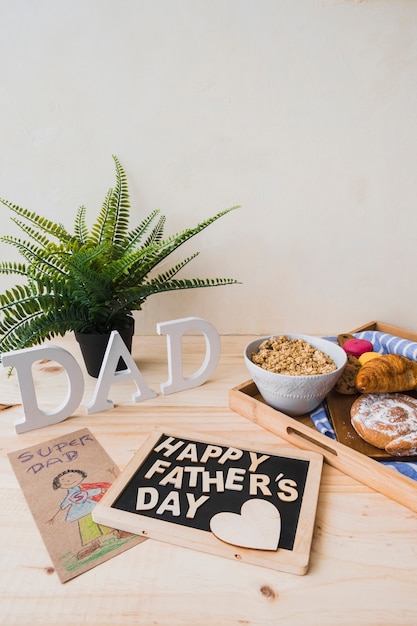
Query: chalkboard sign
x=250, y=505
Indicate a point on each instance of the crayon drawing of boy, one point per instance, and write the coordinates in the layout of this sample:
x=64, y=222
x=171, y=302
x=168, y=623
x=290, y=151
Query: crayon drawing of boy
x=78, y=503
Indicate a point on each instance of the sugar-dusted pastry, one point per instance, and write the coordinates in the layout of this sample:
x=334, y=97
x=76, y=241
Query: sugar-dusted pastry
x=386, y=374
x=387, y=421
x=406, y=445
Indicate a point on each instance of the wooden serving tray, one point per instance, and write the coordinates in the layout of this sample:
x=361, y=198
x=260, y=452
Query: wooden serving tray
x=387, y=328
x=246, y=400
x=339, y=405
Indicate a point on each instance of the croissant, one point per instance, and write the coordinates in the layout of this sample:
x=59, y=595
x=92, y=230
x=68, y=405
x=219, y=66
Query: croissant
x=387, y=374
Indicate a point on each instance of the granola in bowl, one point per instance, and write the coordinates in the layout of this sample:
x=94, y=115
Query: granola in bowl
x=294, y=372
x=292, y=357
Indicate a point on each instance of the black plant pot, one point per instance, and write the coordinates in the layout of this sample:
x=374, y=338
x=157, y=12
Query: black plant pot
x=93, y=347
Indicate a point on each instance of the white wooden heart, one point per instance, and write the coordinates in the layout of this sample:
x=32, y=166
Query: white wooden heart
x=258, y=526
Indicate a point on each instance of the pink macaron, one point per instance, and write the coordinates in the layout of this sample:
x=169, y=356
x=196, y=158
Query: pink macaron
x=356, y=347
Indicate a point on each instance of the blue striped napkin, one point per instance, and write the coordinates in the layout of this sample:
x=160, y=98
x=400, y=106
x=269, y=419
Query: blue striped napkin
x=383, y=343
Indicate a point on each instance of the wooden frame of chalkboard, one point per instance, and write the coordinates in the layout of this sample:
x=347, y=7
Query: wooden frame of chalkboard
x=254, y=506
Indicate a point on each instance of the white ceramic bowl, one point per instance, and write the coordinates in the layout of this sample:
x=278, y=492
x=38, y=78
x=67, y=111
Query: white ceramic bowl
x=295, y=395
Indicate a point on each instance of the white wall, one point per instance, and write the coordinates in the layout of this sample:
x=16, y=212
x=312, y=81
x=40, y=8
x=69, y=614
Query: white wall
x=302, y=111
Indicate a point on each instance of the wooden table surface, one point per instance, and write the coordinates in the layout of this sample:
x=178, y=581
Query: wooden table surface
x=363, y=565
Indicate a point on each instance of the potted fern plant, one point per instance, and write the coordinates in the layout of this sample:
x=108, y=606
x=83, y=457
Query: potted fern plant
x=90, y=280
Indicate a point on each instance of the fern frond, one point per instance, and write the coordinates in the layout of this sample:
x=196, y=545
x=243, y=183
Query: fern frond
x=118, y=226
x=20, y=306
x=80, y=226
x=28, y=297
x=30, y=330
x=135, y=298
x=29, y=251
x=127, y=272
x=88, y=257
x=36, y=235
x=97, y=232
x=173, y=271
x=112, y=224
x=172, y=243
x=43, y=224
x=157, y=233
x=11, y=267
x=49, y=262
x=155, y=286
x=128, y=267
x=32, y=313
x=133, y=239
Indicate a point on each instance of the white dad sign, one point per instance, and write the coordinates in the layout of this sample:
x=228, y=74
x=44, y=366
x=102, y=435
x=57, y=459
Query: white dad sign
x=34, y=417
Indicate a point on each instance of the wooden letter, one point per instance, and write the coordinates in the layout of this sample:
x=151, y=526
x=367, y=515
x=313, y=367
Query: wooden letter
x=170, y=504
x=168, y=446
x=22, y=360
x=211, y=452
x=194, y=504
x=289, y=491
x=231, y=454
x=235, y=475
x=116, y=348
x=261, y=482
x=157, y=468
x=174, y=477
x=175, y=330
x=142, y=504
x=255, y=461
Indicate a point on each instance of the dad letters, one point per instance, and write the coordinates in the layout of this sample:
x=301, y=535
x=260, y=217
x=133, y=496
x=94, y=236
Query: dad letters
x=34, y=417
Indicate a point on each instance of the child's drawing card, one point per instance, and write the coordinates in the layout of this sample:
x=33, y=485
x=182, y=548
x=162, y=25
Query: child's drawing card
x=255, y=506
x=62, y=480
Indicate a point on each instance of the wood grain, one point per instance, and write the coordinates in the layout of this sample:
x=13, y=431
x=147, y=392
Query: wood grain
x=363, y=563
